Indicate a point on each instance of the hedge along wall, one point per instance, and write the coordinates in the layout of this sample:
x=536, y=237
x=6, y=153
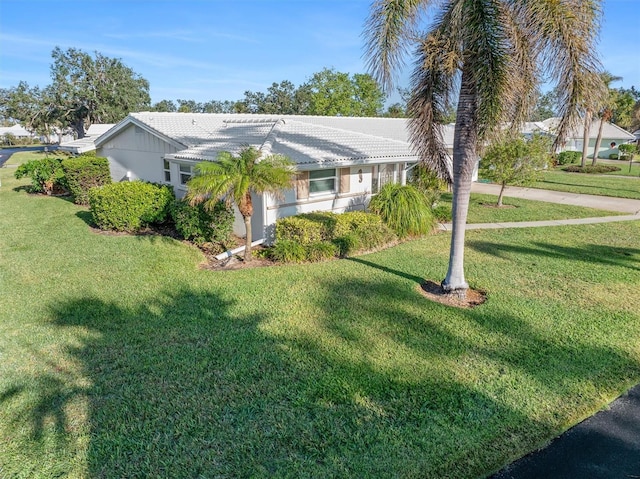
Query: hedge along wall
x=130, y=206
x=83, y=173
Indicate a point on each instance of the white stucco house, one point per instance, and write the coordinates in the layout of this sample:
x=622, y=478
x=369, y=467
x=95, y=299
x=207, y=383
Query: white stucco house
x=341, y=161
x=611, y=133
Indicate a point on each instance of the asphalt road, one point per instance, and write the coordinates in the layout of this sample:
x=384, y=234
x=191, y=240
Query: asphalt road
x=604, y=446
x=5, y=153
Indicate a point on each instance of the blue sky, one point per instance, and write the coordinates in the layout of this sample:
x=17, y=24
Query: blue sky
x=203, y=50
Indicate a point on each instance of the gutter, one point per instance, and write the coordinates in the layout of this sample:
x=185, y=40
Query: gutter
x=239, y=249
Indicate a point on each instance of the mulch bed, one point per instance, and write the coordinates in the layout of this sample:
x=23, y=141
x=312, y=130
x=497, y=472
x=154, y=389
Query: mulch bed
x=434, y=292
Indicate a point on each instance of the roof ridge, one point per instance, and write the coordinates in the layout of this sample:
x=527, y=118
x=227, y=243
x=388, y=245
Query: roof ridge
x=352, y=132
x=267, y=145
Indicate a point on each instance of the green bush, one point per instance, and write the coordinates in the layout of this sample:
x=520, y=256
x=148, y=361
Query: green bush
x=427, y=182
x=627, y=151
x=303, y=229
x=321, y=251
x=130, y=206
x=591, y=169
x=199, y=225
x=348, y=244
x=83, y=173
x=568, y=157
x=349, y=232
x=47, y=175
x=288, y=251
x=404, y=209
x=613, y=156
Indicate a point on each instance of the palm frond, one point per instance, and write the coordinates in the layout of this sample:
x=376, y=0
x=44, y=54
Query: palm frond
x=389, y=31
x=569, y=30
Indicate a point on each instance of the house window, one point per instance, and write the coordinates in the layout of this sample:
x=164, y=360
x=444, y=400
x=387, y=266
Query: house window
x=322, y=181
x=387, y=174
x=167, y=171
x=186, y=172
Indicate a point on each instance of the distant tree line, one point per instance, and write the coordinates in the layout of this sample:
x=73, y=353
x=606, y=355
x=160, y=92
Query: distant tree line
x=622, y=106
x=87, y=89
x=327, y=92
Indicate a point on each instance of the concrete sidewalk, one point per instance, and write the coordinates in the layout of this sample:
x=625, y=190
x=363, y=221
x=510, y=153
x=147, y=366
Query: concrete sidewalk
x=608, y=203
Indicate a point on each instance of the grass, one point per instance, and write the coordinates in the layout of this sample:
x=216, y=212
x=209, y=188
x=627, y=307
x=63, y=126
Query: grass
x=121, y=358
x=603, y=185
x=624, y=167
x=482, y=210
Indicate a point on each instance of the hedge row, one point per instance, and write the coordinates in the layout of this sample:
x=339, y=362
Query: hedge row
x=321, y=235
x=199, y=225
x=568, y=157
x=130, y=206
x=83, y=173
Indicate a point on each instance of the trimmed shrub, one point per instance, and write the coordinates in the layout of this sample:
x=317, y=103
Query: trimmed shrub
x=404, y=209
x=288, y=251
x=348, y=232
x=130, y=206
x=303, y=229
x=199, y=225
x=83, y=173
x=347, y=244
x=47, y=175
x=591, y=169
x=321, y=251
x=613, y=156
x=568, y=157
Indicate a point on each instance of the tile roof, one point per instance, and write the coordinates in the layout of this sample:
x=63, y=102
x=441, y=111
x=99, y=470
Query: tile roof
x=307, y=140
x=88, y=142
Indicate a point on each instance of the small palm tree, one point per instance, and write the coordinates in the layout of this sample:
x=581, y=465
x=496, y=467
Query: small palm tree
x=607, y=110
x=488, y=57
x=235, y=178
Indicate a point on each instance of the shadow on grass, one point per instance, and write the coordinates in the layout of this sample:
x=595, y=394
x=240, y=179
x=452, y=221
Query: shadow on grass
x=374, y=386
x=593, y=253
x=595, y=189
x=86, y=217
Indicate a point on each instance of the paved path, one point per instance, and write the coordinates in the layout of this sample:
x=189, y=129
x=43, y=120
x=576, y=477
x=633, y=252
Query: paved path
x=622, y=205
x=606, y=445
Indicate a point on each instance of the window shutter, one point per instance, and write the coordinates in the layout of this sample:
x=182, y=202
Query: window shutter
x=302, y=185
x=345, y=180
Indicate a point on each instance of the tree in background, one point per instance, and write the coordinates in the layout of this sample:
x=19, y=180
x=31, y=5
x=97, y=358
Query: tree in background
x=513, y=160
x=235, y=178
x=334, y=93
x=546, y=106
x=492, y=56
x=94, y=89
x=33, y=108
x=625, y=107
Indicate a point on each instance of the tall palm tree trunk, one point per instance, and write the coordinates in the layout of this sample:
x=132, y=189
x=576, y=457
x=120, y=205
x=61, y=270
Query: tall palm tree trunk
x=464, y=158
x=597, y=145
x=245, y=206
x=585, y=138
x=247, y=243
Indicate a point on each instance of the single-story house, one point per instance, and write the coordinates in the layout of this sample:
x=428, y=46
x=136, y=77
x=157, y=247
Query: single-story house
x=16, y=130
x=87, y=143
x=611, y=133
x=341, y=161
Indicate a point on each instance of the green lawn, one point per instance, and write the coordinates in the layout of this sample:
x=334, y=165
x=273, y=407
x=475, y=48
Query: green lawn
x=624, y=167
x=121, y=358
x=604, y=185
x=482, y=210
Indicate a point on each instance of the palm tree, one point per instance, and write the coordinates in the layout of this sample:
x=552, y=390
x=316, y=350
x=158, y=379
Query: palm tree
x=607, y=110
x=492, y=55
x=235, y=178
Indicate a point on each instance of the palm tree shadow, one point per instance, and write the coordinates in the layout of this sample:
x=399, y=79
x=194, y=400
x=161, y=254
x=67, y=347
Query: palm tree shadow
x=386, y=269
x=592, y=253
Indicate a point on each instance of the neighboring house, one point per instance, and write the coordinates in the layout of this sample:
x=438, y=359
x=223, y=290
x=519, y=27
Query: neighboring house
x=611, y=133
x=17, y=131
x=341, y=161
x=88, y=142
